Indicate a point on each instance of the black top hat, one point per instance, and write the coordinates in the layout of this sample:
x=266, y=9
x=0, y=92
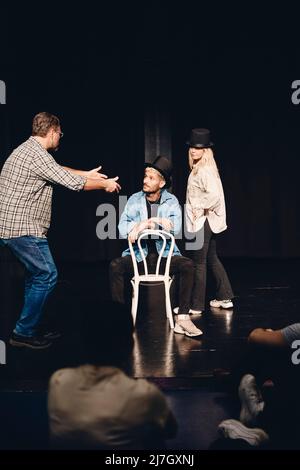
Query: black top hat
x=200, y=138
x=164, y=167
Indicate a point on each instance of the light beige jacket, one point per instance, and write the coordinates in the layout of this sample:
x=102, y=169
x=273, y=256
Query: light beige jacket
x=205, y=200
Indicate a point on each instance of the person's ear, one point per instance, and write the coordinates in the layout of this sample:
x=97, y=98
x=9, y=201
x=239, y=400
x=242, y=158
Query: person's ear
x=162, y=184
x=50, y=133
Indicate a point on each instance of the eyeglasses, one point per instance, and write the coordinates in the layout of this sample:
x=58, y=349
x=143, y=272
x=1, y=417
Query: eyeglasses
x=61, y=134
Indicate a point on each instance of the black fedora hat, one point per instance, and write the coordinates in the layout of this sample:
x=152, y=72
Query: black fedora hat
x=200, y=138
x=163, y=166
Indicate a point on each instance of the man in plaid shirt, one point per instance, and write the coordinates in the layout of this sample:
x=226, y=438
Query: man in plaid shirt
x=26, y=186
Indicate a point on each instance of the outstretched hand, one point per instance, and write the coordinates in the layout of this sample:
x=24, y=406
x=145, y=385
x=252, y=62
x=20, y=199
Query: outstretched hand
x=95, y=175
x=111, y=185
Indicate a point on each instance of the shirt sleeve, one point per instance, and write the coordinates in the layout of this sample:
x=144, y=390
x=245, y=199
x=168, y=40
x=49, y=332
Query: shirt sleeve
x=46, y=168
x=291, y=333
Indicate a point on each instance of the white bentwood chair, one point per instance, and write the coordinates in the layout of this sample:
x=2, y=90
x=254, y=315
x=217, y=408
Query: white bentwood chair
x=147, y=278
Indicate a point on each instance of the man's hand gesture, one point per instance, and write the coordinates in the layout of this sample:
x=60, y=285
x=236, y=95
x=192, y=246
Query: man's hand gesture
x=111, y=185
x=95, y=175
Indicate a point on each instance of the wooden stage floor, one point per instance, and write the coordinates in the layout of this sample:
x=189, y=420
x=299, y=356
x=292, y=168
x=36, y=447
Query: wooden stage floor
x=267, y=295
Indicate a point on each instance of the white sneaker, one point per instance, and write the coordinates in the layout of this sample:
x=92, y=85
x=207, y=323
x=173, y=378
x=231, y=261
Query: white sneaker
x=251, y=400
x=221, y=303
x=233, y=429
x=184, y=326
x=195, y=312
x=191, y=311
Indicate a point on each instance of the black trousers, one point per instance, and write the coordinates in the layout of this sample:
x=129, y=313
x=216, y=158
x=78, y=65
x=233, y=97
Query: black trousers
x=180, y=266
x=207, y=258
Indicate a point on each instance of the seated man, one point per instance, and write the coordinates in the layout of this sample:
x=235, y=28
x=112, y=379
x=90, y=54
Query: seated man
x=155, y=207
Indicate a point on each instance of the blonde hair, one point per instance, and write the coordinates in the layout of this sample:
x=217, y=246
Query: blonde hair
x=207, y=160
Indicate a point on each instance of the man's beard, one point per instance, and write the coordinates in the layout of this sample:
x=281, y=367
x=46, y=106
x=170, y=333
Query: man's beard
x=149, y=192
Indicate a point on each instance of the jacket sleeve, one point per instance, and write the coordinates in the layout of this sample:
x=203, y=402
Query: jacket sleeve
x=128, y=218
x=210, y=196
x=175, y=215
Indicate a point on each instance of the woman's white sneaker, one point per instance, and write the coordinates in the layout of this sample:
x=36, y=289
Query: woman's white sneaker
x=195, y=312
x=184, y=326
x=227, y=303
x=191, y=311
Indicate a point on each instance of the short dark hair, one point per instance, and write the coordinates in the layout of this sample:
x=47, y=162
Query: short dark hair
x=43, y=122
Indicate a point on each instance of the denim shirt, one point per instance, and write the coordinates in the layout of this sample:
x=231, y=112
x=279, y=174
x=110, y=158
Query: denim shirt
x=136, y=211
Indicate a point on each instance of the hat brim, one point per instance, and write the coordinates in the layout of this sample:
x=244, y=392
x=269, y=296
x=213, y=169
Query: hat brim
x=165, y=175
x=200, y=146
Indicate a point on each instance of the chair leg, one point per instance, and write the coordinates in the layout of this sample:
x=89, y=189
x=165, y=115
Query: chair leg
x=168, y=286
x=135, y=300
x=168, y=303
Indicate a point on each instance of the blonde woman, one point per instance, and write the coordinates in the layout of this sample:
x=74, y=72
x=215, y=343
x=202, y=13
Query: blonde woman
x=205, y=217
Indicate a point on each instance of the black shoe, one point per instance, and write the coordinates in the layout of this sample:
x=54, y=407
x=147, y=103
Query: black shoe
x=50, y=335
x=33, y=342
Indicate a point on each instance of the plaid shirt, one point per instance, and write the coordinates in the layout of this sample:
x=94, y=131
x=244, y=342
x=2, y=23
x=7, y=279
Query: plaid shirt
x=26, y=182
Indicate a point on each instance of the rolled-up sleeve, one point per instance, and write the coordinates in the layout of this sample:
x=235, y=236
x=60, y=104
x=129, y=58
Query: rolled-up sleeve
x=46, y=168
x=291, y=333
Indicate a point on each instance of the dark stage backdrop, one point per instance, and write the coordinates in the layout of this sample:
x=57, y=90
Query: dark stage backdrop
x=103, y=72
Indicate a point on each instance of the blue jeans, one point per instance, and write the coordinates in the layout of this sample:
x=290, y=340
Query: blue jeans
x=41, y=277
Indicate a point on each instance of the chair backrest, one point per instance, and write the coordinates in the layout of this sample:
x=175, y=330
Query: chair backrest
x=158, y=233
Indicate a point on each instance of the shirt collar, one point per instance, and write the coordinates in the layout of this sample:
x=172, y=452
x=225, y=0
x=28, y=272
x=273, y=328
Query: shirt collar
x=36, y=142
